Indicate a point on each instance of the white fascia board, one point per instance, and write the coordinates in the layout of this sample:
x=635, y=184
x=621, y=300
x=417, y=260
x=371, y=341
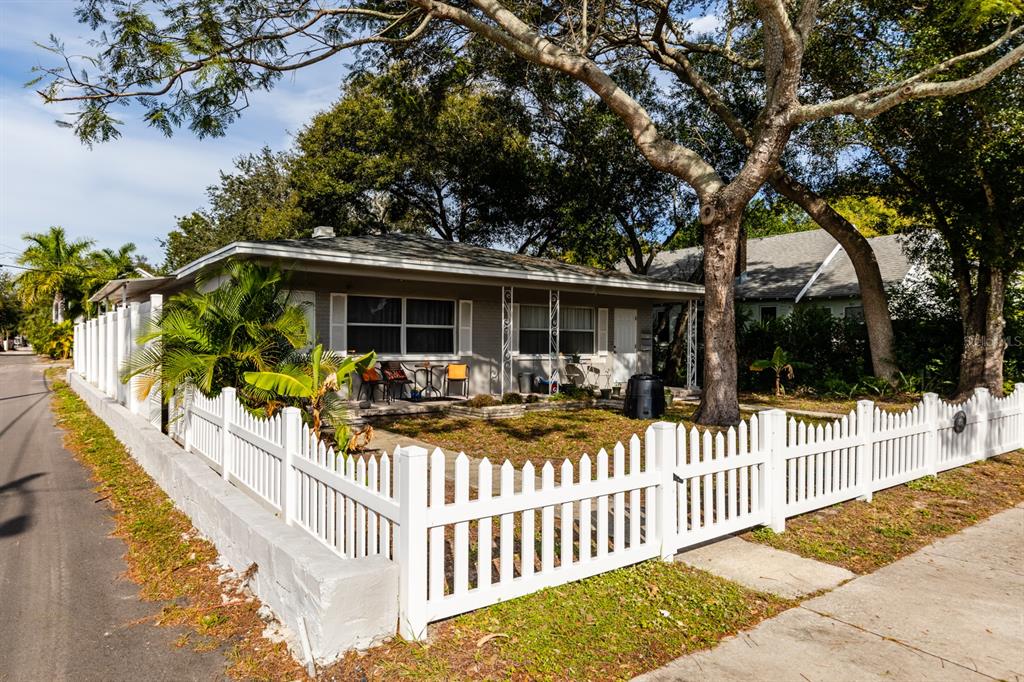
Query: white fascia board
x=391, y=262
x=817, y=273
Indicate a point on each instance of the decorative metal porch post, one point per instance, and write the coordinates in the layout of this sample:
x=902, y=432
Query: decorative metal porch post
x=691, y=344
x=506, y=339
x=553, y=325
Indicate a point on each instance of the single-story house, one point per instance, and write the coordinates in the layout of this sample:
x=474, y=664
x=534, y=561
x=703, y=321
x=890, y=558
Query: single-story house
x=787, y=270
x=417, y=299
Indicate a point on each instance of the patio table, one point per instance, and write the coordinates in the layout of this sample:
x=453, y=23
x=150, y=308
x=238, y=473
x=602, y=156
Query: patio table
x=428, y=385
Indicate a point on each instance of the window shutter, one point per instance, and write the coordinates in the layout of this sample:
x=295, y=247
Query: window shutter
x=339, y=337
x=465, y=327
x=602, y=331
x=515, y=327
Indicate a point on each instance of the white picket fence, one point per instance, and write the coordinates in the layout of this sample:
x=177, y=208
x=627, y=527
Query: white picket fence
x=481, y=534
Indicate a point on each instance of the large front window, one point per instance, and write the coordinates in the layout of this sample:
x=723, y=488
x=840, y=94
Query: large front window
x=575, y=330
x=399, y=326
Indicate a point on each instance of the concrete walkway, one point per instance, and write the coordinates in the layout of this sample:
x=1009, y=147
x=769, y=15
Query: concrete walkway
x=951, y=611
x=764, y=568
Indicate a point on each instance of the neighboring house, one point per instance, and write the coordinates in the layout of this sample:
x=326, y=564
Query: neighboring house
x=801, y=268
x=414, y=299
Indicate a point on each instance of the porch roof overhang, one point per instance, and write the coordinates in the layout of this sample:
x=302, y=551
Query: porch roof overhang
x=442, y=269
x=129, y=289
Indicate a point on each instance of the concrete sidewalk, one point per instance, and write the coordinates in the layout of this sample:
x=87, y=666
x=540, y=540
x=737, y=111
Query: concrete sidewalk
x=951, y=611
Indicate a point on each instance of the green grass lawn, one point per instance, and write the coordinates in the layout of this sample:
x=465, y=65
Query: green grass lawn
x=612, y=626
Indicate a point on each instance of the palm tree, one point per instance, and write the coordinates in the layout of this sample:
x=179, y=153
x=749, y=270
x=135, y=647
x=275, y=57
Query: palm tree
x=781, y=364
x=55, y=269
x=314, y=379
x=210, y=340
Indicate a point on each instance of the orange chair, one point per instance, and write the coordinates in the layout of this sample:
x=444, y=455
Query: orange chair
x=456, y=372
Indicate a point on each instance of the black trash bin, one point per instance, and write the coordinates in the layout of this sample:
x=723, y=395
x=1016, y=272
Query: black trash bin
x=645, y=397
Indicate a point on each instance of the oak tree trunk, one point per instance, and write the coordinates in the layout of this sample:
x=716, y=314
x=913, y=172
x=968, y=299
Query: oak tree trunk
x=869, y=278
x=981, y=314
x=719, y=403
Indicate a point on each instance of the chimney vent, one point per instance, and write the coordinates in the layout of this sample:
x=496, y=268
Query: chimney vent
x=323, y=232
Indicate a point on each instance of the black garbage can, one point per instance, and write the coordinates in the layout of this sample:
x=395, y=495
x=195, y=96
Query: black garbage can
x=645, y=397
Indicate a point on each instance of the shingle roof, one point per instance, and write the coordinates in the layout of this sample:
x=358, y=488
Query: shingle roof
x=426, y=253
x=779, y=267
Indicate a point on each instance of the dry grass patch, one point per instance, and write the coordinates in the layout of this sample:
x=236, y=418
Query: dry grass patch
x=812, y=404
x=863, y=537
x=166, y=557
x=609, y=627
x=536, y=436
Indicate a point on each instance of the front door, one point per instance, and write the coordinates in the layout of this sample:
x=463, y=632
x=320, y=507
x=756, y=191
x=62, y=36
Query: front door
x=625, y=362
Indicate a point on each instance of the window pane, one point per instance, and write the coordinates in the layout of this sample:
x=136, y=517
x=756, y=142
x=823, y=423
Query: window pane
x=379, y=339
x=420, y=311
x=429, y=340
x=576, y=342
x=768, y=313
x=533, y=342
x=533, y=317
x=576, y=318
x=374, y=310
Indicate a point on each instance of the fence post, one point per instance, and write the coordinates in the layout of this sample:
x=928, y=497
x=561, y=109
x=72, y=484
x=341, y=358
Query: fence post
x=665, y=464
x=75, y=348
x=101, y=347
x=121, y=316
x=865, y=436
x=931, y=437
x=112, y=354
x=292, y=424
x=1018, y=394
x=156, y=302
x=227, y=413
x=772, y=437
x=981, y=435
x=94, y=350
x=132, y=333
x=411, y=469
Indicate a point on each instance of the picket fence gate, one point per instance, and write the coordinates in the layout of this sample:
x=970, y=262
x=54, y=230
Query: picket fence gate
x=479, y=534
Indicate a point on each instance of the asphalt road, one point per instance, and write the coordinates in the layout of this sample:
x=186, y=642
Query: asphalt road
x=66, y=612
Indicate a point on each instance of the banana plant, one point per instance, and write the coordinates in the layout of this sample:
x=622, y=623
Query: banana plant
x=313, y=380
x=781, y=364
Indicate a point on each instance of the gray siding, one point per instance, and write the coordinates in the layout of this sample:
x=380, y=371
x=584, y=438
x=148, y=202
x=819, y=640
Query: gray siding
x=485, y=359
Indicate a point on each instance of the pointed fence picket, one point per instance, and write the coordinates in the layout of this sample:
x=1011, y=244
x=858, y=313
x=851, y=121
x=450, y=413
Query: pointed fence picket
x=470, y=533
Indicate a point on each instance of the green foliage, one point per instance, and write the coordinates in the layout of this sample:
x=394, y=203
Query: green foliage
x=872, y=215
x=573, y=392
x=210, y=340
x=256, y=201
x=781, y=364
x=512, y=399
x=56, y=270
x=55, y=340
x=11, y=309
x=312, y=380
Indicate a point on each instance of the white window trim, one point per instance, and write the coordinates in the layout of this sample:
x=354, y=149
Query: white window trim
x=538, y=356
x=403, y=326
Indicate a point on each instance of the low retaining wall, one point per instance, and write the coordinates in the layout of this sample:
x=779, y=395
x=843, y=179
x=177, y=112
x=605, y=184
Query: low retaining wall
x=339, y=604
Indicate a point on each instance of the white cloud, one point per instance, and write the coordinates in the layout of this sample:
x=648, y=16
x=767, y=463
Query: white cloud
x=709, y=23
x=129, y=190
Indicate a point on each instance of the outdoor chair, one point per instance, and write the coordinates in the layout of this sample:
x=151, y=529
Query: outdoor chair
x=395, y=376
x=458, y=372
x=369, y=381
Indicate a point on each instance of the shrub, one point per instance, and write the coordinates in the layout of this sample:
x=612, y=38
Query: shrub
x=572, y=392
x=532, y=398
x=512, y=399
x=482, y=400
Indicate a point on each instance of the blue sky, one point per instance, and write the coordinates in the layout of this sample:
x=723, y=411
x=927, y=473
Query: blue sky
x=130, y=189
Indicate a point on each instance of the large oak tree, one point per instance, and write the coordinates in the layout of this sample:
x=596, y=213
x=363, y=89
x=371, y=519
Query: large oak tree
x=194, y=62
